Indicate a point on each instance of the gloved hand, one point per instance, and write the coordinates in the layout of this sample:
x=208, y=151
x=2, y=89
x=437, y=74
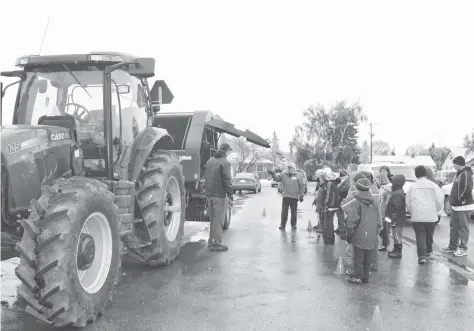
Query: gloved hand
x=301, y=199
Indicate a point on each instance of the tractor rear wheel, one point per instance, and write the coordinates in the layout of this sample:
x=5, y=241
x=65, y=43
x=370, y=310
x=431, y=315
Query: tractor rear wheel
x=161, y=198
x=70, y=253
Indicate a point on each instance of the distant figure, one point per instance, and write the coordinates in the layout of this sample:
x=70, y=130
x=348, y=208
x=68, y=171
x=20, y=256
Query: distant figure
x=319, y=194
x=424, y=202
x=218, y=185
x=363, y=225
x=292, y=191
x=462, y=204
x=384, y=170
x=430, y=175
x=396, y=212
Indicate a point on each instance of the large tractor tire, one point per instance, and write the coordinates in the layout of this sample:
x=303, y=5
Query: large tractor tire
x=161, y=198
x=70, y=253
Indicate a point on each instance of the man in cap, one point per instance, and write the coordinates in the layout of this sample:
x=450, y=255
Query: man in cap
x=331, y=205
x=292, y=191
x=218, y=186
x=462, y=204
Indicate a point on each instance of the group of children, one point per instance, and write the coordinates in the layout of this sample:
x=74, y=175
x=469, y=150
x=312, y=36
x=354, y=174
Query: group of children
x=361, y=203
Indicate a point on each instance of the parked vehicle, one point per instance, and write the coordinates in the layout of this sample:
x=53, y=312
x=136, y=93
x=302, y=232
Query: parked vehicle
x=446, y=192
x=274, y=183
x=444, y=177
x=245, y=181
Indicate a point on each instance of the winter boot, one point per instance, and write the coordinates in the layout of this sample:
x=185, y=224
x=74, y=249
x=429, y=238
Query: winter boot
x=397, y=252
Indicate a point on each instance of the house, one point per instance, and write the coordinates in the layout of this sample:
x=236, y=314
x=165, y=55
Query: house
x=416, y=160
x=447, y=163
x=260, y=167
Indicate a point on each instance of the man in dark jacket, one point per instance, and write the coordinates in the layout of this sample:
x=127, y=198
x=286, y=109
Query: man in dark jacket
x=218, y=186
x=396, y=213
x=363, y=226
x=462, y=204
x=332, y=203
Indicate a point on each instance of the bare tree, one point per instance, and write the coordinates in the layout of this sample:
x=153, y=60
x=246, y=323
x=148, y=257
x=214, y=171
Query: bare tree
x=381, y=147
x=248, y=154
x=415, y=149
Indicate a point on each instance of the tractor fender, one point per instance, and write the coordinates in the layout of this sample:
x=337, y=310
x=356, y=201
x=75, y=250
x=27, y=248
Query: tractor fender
x=149, y=139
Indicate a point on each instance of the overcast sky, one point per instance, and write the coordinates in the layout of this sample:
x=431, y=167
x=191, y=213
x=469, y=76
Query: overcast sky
x=258, y=64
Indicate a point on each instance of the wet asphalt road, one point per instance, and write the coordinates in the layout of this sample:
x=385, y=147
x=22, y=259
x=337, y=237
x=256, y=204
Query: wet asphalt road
x=270, y=280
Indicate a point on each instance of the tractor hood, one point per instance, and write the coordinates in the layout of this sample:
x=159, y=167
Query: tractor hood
x=16, y=138
x=225, y=127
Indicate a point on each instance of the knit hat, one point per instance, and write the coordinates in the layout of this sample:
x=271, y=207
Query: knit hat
x=460, y=161
x=343, y=173
x=369, y=175
x=420, y=171
x=358, y=176
x=363, y=184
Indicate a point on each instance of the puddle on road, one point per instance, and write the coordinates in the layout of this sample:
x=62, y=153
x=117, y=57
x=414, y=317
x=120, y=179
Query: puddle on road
x=10, y=283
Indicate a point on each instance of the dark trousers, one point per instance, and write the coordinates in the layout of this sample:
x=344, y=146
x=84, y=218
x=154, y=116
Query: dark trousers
x=328, y=227
x=362, y=261
x=424, y=237
x=459, y=229
x=341, y=224
x=292, y=204
x=385, y=234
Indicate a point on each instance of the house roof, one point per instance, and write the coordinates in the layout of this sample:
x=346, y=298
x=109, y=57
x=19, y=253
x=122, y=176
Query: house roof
x=424, y=160
x=234, y=158
x=461, y=151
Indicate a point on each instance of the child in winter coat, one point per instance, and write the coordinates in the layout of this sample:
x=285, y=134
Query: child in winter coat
x=396, y=212
x=385, y=188
x=363, y=225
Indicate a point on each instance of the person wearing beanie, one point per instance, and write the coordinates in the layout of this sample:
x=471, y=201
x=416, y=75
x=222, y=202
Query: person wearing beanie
x=462, y=204
x=319, y=194
x=363, y=225
x=424, y=201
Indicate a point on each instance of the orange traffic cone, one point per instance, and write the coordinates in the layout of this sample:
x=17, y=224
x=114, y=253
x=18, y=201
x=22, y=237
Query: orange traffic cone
x=264, y=213
x=376, y=322
x=340, y=270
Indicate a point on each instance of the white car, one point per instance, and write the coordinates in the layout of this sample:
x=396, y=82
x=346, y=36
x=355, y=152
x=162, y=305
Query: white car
x=446, y=192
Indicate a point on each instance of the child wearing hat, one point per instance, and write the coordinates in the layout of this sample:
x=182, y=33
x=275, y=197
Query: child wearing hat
x=363, y=226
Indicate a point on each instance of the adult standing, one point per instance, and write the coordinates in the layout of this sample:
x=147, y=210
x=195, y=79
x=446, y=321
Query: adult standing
x=462, y=204
x=218, y=186
x=292, y=191
x=424, y=201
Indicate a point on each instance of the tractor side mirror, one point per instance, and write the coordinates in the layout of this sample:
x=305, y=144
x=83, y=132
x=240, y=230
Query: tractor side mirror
x=42, y=86
x=144, y=67
x=160, y=94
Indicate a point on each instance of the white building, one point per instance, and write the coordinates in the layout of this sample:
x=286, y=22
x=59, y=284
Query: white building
x=447, y=163
x=424, y=160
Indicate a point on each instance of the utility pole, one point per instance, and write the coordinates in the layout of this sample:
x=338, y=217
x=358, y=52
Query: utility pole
x=371, y=136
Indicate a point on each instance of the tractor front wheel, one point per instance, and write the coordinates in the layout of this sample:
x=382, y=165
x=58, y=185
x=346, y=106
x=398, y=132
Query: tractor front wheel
x=70, y=253
x=161, y=197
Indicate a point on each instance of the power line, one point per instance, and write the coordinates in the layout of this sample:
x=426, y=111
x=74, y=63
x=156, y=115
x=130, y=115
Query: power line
x=44, y=36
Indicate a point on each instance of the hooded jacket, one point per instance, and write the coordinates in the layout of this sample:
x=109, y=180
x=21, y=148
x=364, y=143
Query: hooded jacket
x=396, y=206
x=424, y=201
x=218, y=182
x=291, y=184
x=363, y=221
x=461, y=192
x=344, y=187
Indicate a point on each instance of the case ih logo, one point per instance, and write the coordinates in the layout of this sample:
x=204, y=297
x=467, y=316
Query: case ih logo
x=59, y=136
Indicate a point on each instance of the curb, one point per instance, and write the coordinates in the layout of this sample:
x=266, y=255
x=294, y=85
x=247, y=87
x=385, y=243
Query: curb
x=467, y=267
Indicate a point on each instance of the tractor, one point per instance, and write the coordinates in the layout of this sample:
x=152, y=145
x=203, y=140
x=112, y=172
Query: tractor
x=88, y=178
x=196, y=136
